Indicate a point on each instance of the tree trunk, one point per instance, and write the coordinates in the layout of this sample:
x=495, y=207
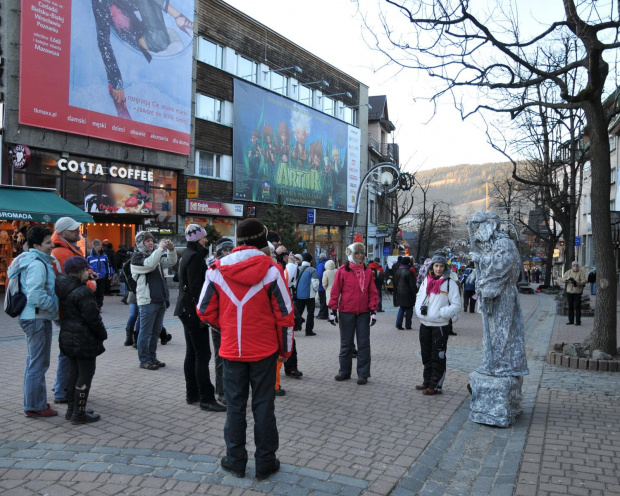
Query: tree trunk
x=605, y=316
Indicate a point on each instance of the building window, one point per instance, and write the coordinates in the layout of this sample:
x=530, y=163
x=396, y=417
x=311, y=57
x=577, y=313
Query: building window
x=348, y=115
x=612, y=205
x=279, y=83
x=328, y=106
x=612, y=143
x=613, y=175
x=210, y=53
x=372, y=212
x=208, y=108
x=305, y=95
x=246, y=69
x=213, y=165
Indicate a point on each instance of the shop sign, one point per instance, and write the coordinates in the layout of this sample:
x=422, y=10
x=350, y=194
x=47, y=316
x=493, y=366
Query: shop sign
x=20, y=156
x=192, y=188
x=251, y=211
x=311, y=216
x=201, y=207
x=160, y=230
x=83, y=168
x=358, y=238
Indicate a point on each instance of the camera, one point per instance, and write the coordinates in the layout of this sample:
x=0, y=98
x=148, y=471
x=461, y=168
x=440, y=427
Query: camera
x=423, y=309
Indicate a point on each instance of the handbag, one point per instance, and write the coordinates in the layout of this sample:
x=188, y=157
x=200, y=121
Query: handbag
x=131, y=297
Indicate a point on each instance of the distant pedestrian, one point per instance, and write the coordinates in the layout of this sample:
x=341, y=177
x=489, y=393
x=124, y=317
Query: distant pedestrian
x=353, y=305
x=328, y=278
x=100, y=265
x=468, y=282
x=379, y=278
x=307, y=286
x=592, y=281
x=37, y=278
x=246, y=297
x=320, y=268
x=81, y=337
x=575, y=281
x=405, y=291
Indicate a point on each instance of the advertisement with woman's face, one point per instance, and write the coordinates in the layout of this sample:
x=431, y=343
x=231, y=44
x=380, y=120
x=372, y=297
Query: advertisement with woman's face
x=113, y=69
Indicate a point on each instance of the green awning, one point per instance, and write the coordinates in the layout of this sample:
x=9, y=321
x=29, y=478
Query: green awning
x=37, y=204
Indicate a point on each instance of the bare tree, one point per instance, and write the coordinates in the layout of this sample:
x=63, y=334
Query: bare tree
x=462, y=48
x=432, y=221
x=402, y=205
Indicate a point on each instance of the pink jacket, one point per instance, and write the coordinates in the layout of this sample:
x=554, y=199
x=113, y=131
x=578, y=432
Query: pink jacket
x=347, y=296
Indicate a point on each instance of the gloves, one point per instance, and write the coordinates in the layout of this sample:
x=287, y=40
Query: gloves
x=333, y=317
x=373, y=318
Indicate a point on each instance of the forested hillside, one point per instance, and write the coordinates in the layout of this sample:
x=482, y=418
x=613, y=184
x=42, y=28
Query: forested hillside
x=462, y=185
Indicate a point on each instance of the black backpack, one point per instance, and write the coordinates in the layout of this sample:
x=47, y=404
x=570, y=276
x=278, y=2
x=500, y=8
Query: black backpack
x=129, y=280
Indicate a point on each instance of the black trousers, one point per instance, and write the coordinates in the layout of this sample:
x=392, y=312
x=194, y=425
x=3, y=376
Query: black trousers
x=380, y=291
x=352, y=327
x=81, y=373
x=197, y=356
x=216, y=338
x=238, y=378
x=291, y=364
x=468, y=301
x=322, y=305
x=100, y=291
x=310, y=305
x=574, y=307
x=433, y=344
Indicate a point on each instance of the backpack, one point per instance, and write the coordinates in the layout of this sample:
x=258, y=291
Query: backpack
x=15, y=300
x=129, y=280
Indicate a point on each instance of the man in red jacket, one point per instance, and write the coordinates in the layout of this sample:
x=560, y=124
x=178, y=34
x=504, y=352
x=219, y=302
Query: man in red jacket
x=246, y=297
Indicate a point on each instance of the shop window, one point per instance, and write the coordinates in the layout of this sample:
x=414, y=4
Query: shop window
x=247, y=69
x=305, y=232
x=210, y=53
x=208, y=108
x=305, y=95
x=36, y=180
x=225, y=227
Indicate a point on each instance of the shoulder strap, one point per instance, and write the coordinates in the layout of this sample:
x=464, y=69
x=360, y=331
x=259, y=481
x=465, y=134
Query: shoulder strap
x=299, y=273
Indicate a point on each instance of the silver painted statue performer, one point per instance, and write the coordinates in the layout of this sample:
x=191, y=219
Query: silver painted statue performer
x=496, y=383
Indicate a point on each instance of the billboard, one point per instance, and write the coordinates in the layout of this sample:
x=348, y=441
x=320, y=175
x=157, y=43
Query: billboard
x=285, y=149
x=111, y=69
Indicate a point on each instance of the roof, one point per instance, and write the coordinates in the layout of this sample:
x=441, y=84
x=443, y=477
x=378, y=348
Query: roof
x=379, y=111
x=37, y=204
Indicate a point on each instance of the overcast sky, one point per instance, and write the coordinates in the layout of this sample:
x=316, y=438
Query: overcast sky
x=331, y=30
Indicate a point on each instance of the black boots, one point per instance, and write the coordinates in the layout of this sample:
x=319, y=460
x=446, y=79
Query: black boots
x=129, y=336
x=164, y=336
x=80, y=415
x=135, y=339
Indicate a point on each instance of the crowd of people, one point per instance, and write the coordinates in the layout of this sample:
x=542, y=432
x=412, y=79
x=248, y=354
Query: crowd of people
x=247, y=301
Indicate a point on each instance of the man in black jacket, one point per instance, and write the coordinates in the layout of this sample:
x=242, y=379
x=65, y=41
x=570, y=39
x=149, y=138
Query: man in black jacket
x=192, y=268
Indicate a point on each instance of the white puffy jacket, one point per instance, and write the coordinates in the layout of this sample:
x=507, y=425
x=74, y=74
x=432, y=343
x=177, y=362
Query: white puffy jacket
x=441, y=307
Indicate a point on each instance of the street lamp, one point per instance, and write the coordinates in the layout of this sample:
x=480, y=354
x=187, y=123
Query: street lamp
x=387, y=175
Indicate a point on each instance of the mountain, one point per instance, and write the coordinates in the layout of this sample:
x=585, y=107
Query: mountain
x=462, y=186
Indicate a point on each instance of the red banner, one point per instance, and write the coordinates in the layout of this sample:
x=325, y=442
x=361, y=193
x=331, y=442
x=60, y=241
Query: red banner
x=80, y=74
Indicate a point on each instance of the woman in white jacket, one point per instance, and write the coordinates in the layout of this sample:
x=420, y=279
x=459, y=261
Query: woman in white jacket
x=328, y=278
x=437, y=302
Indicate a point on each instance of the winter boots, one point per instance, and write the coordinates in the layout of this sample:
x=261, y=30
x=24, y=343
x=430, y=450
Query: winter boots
x=80, y=415
x=129, y=336
x=164, y=336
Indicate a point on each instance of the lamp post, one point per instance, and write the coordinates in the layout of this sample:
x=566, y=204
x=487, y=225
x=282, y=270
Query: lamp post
x=389, y=176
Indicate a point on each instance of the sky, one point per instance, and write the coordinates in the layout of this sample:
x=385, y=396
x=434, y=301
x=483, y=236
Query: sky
x=331, y=30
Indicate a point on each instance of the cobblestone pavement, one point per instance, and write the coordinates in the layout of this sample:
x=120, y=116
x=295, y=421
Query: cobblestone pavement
x=335, y=438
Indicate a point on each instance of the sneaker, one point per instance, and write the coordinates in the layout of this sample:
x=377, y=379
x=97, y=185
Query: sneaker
x=274, y=468
x=226, y=465
x=296, y=374
x=149, y=366
x=48, y=412
x=421, y=387
x=362, y=380
x=280, y=392
x=452, y=333
x=342, y=377
x=161, y=365
x=569, y=323
x=212, y=406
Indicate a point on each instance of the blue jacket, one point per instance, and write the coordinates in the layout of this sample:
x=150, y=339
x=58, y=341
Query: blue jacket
x=308, y=282
x=471, y=286
x=320, y=268
x=37, y=279
x=99, y=263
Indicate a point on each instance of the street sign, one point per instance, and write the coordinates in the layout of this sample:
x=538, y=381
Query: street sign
x=577, y=240
x=386, y=249
x=358, y=238
x=311, y=216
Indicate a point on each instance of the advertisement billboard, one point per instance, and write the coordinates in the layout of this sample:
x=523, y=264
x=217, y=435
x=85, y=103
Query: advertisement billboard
x=285, y=149
x=110, y=69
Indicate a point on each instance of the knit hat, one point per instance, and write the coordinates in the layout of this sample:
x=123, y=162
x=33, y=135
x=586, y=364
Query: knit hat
x=439, y=258
x=322, y=255
x=299, y=257
x=141, y=237
x=222, y=244
x=75, y=264
x=406, y=261
x=252, y=232
x=66, y=224
x=194, y=232
x=307, y=257
x=574, y=263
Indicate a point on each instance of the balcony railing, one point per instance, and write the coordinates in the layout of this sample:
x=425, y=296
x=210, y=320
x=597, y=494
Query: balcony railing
x=385, y=150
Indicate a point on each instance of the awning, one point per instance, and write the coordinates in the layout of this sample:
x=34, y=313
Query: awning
x=37, y=204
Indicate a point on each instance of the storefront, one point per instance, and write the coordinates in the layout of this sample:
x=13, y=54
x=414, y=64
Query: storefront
x=322, y=238
x=122, y=198
x=222, y=216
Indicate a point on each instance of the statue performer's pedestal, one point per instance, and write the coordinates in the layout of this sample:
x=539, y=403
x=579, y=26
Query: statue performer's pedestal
x=495, y=400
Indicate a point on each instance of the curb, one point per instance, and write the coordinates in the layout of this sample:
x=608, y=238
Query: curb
x=555, y=358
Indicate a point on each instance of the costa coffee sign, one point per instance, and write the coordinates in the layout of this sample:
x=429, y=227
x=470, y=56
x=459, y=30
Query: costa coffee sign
x=20, y=156
x=83, y=168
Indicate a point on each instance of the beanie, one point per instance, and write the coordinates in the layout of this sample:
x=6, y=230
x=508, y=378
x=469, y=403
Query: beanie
x=299, y=257
x=439, y=258
x=322, y=255
x=252, y=232
x=141, y=236
x=194, y=232
x=75, y=264
x=406, y=261
x=223, y=243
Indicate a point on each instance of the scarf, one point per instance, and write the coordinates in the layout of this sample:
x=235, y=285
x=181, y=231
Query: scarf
x=358, y=270
x=433, y=286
